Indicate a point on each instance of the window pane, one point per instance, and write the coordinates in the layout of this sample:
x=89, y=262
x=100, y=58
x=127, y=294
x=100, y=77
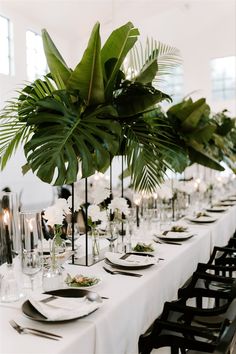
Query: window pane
x=223, y=73
x=4, y=46
x=172, y=84
x=36, y=61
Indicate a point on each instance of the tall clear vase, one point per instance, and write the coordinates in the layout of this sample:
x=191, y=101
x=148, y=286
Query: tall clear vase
x=95, y=244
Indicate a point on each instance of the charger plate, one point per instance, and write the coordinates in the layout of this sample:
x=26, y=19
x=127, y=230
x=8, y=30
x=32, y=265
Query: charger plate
x=30, y=311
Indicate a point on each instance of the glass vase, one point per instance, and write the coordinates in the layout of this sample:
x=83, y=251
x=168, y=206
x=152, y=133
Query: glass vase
x=95, y=244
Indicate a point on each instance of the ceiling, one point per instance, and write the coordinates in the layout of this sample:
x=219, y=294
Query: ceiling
x=75, y=18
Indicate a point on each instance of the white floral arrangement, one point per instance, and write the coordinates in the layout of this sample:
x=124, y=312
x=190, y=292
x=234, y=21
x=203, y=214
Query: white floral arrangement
x=56, y=213
x=164, y=192
x=119, y=206
x=95, y=215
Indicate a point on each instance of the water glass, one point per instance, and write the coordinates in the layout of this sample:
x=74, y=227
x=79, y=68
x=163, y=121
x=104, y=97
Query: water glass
x=31, y=237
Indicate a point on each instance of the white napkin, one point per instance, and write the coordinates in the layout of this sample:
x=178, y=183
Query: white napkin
x=132, y=260
x=175, y=234
x=64, y=308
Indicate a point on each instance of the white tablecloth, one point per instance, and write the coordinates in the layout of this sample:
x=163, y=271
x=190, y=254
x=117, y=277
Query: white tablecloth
x=133, y=303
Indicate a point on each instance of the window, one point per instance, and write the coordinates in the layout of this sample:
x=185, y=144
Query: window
x=35, y=58
x=5, y=46
x=173, y=84
x=223, y=73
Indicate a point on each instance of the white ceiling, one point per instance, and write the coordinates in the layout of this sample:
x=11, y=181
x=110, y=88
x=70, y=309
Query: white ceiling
x=75, y=18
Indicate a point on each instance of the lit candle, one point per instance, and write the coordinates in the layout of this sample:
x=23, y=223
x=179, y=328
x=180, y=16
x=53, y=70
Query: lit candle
x=31, y=235
x=136, y=202
x=7, y=234
x=155, y=200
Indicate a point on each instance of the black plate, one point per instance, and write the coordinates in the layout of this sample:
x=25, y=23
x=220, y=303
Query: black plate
x=30, y=311
x=118, y=266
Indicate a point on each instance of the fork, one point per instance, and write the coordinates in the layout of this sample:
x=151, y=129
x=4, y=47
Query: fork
x=168, y=242
x=121, y=272
x=34, y=331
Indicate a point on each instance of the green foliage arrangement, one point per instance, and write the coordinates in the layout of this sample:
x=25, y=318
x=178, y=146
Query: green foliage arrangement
x=86, y=116
x=79, y=119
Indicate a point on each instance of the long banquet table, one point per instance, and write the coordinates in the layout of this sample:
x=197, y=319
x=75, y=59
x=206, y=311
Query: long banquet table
x=133, y=303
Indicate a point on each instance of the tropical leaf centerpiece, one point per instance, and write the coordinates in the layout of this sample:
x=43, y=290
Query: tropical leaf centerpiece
x=88, y=115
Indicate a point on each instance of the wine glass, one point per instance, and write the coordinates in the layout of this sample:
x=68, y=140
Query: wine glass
x=31, y=264
x=31, y=257
x=112, y=234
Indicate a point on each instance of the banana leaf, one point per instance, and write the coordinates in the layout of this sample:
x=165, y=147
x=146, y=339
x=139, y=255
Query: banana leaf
x=56, y=63
x=116, y=48
x=148, y=72
x=199, y=156
x=87, y=76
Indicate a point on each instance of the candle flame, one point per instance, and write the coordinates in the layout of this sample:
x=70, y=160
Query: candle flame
x=6, y=217
x=30, y=225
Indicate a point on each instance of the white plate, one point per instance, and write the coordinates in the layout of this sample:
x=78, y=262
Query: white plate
x=134, y=260
x=202, y=219
x=85, y=287
x=172, y=236
x=217, y=209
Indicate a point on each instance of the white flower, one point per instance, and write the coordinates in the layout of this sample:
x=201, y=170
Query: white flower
x=78, y=201
x=61, y=204
x=100, y=191
x=164, y=192
x=54, y=215
x=96, y=214
x=119, y=204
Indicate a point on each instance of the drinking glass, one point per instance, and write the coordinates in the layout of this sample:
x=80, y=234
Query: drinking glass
x=31, y=264
x=112, y=234
x=9, y=247
x=31, y=237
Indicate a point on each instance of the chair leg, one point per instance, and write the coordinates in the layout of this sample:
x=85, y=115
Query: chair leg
x=174, y=350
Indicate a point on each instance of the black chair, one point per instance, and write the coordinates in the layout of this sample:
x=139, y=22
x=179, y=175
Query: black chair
x=222, y=255
x=187, y=338
x=180, y=323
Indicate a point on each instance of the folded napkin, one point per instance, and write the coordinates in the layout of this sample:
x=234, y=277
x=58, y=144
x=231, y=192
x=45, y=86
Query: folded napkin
x=64, y=308
x=131, y=260
x=176, y=234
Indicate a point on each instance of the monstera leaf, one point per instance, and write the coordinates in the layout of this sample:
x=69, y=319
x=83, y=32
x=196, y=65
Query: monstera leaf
x=62, y=138
x=136, y=98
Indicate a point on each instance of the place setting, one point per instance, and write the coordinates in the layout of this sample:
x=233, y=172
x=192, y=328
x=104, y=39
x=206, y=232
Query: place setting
x=61, y=305
x=201, y=218
x=174, y=235
x=128, y=262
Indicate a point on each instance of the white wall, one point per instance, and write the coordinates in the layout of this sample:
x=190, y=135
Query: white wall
x=35, y=194
x=202, y=30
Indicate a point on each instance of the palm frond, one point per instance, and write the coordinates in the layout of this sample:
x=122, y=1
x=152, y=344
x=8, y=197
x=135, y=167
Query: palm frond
x=140, y=58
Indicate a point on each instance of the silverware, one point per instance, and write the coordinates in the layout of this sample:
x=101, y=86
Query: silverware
x=91, y=296
x=122, y=272
x=168, y=242
x=36, y=332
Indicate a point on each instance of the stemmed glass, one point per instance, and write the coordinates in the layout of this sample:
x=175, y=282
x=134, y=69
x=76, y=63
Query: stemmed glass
x=31, y=264
x=112, y=234
x=31, y=257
